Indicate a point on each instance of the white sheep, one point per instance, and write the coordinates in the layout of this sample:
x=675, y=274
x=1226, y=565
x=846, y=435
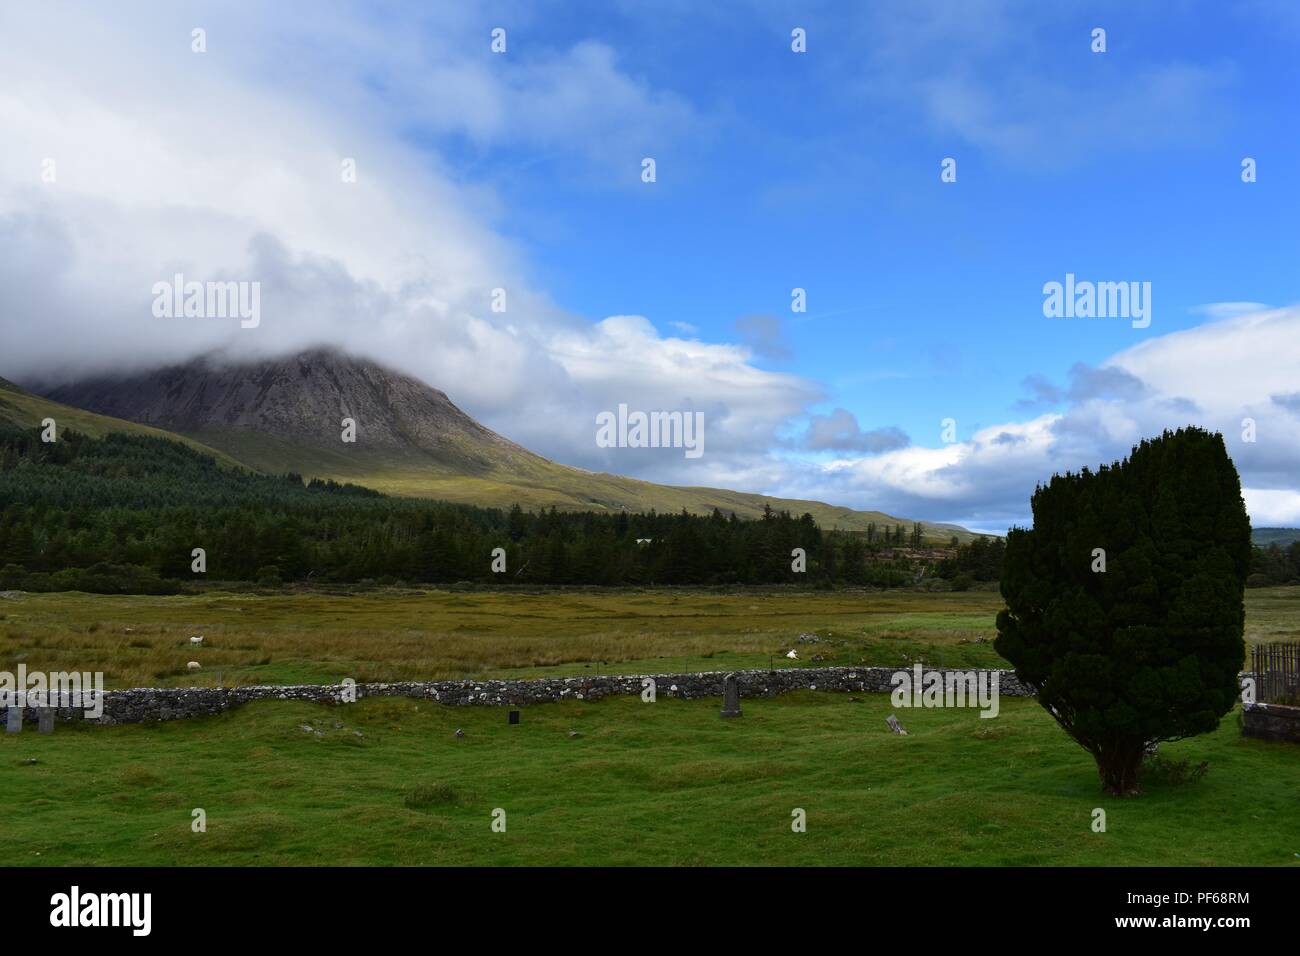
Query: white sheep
x=792, y=655
x=196, y=640
x=194, y=665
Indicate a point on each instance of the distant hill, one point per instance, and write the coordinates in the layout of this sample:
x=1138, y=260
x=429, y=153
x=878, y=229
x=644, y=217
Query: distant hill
x=284, y=415
x=21, y=408
x=1279, y=536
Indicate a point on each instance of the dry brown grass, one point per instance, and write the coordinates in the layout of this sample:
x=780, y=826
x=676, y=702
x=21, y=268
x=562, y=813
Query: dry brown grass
x=424, y=635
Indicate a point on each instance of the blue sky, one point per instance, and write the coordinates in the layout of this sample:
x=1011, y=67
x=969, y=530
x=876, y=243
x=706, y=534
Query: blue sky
x=775, y=170
x=925, y=298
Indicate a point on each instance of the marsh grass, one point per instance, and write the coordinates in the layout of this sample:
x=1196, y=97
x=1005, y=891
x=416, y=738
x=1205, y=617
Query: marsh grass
x=427, y=635
x=386, y=635
x=430, y=794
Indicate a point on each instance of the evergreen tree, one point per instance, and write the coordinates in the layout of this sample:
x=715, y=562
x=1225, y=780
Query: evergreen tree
x=1149, y=648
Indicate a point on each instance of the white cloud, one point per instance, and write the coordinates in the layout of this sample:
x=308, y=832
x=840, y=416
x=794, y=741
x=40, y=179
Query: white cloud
x=226, y=165
x=1228, y=310
x=1214, y=376
x=623, y=359
x=1227, y=366
x=1273, y=507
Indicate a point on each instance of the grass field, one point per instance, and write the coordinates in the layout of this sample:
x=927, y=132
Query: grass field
x=426, y=635
x=385, y=781
x=392, y=635
x=663, y=783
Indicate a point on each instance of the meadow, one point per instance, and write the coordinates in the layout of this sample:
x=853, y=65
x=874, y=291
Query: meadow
x=386, y=781
x=315, y=637
x=409, y=635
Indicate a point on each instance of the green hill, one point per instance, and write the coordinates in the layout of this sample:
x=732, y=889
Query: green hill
x=533, y=484
x=21, y=408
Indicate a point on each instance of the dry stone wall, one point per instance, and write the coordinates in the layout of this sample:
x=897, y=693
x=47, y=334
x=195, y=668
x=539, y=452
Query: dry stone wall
x=1271, y=722
x=145, y=704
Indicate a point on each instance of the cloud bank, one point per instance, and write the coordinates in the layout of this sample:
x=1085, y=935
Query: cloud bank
x=130, y=158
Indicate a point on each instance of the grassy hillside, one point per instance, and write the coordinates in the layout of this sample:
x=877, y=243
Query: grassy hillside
x=413, y=442
x=28, y=411
x=533, y=484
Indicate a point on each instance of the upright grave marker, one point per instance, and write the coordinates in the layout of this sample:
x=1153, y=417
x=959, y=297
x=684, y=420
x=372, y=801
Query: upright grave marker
x=730, y=696
x=14, y=720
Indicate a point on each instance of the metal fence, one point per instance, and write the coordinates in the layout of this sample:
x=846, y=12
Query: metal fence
x=1277, y=672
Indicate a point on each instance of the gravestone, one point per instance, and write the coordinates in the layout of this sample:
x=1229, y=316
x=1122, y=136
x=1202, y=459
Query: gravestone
x=730, y=696
x=894, y=725
x=14, y=720
x=514, y=716
x=45, y=718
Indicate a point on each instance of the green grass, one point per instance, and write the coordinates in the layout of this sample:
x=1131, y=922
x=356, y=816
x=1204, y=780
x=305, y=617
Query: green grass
x=667, y=784
x=385, y=781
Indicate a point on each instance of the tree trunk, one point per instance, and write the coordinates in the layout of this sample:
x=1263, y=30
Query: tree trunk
x=1118, y=766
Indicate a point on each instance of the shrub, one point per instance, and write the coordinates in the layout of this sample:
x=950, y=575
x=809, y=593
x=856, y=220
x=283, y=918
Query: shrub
x=1174, y=772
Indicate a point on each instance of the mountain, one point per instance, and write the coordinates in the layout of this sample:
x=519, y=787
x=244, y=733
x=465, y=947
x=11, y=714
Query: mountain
x=286, y=414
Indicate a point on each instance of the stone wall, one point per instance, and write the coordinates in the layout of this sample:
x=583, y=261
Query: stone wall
x=1271, y=722
x=150, y=704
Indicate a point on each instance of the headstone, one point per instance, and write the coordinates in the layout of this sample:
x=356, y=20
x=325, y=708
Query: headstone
x=894, y=725
x=514, y=716
x=14, y=720
x=730, y=696
x=45, y=716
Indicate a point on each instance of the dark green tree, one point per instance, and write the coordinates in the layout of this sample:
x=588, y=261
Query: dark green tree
x=1149, y=648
